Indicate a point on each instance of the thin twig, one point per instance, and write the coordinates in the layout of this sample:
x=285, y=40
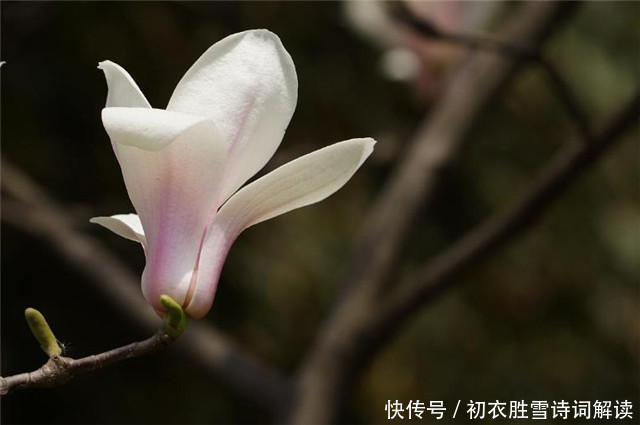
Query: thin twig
x=30, y=209
x=556, y=81
x=59, y=370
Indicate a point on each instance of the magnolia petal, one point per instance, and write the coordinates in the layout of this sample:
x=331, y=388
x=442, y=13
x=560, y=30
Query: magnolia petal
x=126, y=225
x=174, y=191
x=304, y=181
x=207, y=275
x=123, y=90
x=247, y=84
x=148, y=129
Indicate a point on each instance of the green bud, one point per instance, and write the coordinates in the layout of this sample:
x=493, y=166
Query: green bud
x=175, y=320
x=41, y=330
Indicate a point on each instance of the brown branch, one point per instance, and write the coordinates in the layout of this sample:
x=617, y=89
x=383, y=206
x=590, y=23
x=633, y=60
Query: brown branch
x=33, y=211
x=358, y=334
x=59, y=370
x=339, y=352
x=425, y=284
x=556, y=81
x=436, y=142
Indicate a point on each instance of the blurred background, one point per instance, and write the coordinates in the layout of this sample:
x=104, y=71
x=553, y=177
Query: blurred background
x=552, y=316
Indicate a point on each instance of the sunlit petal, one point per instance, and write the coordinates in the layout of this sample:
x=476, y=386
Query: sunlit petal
x=247, y=84
x=303, y=181
x=174, y=190
x=126, y=225
x=225, y=120
x=123, y=91
x=148, y=129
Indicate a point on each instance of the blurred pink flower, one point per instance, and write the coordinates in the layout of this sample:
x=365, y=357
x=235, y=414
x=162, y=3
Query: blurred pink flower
x=410, y=56
x=183, y=165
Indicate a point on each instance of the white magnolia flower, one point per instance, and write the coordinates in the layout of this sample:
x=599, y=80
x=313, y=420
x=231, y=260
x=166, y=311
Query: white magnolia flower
x=183, y=165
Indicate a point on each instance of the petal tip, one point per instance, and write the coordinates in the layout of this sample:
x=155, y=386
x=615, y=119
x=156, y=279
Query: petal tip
x=263, y=32
x=122, y=89
x=105, y=65
x=369, y=142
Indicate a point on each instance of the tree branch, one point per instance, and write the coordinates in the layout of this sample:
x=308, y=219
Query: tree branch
x=33, y=211
x=350, y=334
x=426, y=283
x=437, y=141
x=357, y=335
x=59, y=370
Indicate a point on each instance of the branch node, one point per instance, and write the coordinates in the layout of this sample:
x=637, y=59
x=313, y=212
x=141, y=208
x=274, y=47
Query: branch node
x=56, y=372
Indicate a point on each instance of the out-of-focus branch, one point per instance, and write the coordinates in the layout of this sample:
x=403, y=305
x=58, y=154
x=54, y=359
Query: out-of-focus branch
x=438, y=139
x=558, y=84
x=436, y=276
x=370, y=329
x=348, y=336
x=29, y=208
x=59, y=370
